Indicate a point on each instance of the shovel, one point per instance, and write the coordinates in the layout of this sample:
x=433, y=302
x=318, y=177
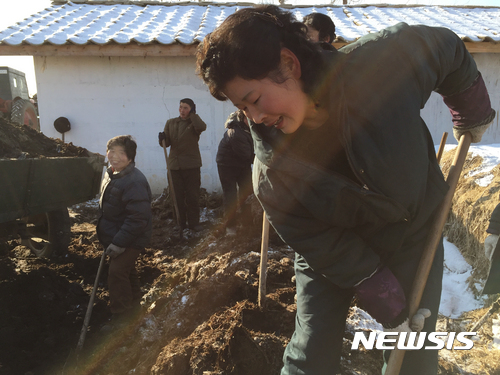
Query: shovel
x=172, y=190
x=435, y=234
x=263, y=261
x=89, y=307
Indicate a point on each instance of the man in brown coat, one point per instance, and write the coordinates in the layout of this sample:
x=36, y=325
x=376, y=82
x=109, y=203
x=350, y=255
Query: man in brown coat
x=182, y=135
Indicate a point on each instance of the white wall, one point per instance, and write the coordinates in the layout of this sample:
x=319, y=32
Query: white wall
x=104, y=97
x=437, y=116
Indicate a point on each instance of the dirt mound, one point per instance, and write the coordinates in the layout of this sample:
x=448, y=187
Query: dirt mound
x=20, y=141
x=473, y=203
x=199, y=313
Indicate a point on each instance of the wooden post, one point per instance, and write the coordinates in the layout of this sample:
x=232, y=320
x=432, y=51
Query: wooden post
x=441, y=147
x=263, y=261
x=172, y=190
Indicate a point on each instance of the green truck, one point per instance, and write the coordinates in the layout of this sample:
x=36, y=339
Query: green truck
x=35, y=195
x=15, y=103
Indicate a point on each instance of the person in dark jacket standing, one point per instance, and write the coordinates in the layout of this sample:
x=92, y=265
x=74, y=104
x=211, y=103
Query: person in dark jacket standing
x=490, y=243
x=125, y=223
x=182, y=134
x=345, y=167
x=234, y=164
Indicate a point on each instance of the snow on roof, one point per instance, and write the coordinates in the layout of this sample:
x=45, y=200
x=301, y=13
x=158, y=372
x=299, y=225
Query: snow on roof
x=169, y=23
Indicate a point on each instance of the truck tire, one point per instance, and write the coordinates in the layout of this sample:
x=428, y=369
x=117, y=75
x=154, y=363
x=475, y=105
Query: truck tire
x=48, y=233
x=23, y=112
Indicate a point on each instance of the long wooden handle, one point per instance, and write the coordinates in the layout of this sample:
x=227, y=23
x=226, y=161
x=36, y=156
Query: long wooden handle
x=434, y=236
x=263, y=261
x=90, y=305
x=171, y=186
x=441, y=147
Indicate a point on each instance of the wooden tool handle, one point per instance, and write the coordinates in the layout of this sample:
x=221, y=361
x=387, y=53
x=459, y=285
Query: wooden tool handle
x=434, y=236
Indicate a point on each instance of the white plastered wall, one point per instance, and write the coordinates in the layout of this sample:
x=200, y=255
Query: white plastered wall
x=107, y=96
x=437, y=116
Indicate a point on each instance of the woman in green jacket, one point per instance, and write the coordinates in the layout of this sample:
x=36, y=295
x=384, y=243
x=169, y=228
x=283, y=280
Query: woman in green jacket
x=345, y=167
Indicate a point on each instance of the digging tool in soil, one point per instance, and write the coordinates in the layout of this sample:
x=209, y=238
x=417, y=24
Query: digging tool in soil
x=90, y=306
x=494, y=308
x=435, y=235
x=263, y=261
x=172, y=190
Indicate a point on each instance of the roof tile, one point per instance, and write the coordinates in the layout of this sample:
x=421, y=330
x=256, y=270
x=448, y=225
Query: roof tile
x=167, y=23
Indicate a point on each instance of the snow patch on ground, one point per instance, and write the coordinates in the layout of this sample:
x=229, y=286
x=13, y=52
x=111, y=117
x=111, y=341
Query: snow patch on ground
x=496, y=333
x=361, y=320
x=456, y=297
x=489, y=153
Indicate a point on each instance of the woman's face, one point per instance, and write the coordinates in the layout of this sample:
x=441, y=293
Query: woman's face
x=282, y=105
x=118, y=158
x=184, y=110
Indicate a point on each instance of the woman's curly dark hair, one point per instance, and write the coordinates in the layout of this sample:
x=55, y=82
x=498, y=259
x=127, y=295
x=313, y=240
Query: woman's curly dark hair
x=248, y=44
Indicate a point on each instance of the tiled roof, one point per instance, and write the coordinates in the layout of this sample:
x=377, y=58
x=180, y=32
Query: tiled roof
x=169, y=23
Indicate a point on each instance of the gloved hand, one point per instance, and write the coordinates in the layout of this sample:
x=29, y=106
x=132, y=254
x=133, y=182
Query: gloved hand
x=161, y=138
x=113, y=251
x=193, y=108
x=471, y=110
x=476, y=131
x=490, y=243
x=416, y=325
x=382, y=296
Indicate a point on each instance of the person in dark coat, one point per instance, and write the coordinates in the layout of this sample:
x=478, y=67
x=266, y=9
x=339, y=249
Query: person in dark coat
x=491, y=241
x=345, y=167
x=234, y=164
x=182, y=134
x=124, y=226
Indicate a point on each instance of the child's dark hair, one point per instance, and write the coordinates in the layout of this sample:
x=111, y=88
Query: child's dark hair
x=322, y=23
x=248, y=44
x=128, y=144
x=240, y=115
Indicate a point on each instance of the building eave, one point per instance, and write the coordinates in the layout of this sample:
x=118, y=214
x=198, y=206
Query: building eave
x=153, y=50
x=108, y=50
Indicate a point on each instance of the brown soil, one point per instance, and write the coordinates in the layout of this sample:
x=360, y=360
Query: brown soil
x=19, y=141
x=199, y=312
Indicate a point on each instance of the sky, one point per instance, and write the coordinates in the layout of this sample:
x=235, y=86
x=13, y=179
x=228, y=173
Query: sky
x=19, y=9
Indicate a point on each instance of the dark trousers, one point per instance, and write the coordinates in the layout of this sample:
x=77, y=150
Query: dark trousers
x=236, y=188
x=186, y=183
x=322, y=309
x=123, y=281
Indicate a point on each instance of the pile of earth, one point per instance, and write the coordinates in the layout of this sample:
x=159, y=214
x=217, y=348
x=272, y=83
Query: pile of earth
x=20, y=141
x=199, y=311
